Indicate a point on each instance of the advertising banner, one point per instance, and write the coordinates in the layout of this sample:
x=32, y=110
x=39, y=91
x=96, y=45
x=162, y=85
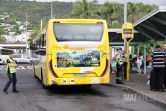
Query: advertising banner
x=78, y=59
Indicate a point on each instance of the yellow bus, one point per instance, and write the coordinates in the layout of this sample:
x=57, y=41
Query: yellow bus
x=73, y=52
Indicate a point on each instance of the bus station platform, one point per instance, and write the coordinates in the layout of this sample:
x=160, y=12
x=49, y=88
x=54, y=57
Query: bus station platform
x=138, y=85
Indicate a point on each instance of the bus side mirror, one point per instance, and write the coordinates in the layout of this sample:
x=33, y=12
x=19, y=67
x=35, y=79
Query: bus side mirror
x=32, y=47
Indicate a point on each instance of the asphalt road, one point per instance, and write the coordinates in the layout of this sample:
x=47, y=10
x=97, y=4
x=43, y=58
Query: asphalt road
x=33, y=98
x=19, y=65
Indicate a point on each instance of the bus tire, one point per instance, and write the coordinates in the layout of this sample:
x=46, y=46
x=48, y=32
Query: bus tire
x=42, y=81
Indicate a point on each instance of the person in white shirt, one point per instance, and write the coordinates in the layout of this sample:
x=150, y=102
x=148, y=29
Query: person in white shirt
x=139, y=63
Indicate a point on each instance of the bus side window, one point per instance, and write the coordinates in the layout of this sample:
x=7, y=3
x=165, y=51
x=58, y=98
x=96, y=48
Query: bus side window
x=43, y=40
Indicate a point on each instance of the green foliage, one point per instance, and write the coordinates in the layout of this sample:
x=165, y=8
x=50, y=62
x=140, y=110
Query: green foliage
x=36, y=29
x=2, y=39
x=85, y=9
x=149, y=47
x=36, y=10
x=2, y=21
x=32, y=36
x=115, y=24
x=13, y=21
x=2, y=31
x=132, y=10
x=110, y=11
x=137, y=10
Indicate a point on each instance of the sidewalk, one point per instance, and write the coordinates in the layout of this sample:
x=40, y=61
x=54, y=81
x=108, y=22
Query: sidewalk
x=138, y=83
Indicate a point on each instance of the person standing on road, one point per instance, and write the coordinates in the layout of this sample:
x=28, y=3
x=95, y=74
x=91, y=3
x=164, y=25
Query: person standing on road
x=158, y=59
x=119, y=65
x=164, y=81
x=11, y=72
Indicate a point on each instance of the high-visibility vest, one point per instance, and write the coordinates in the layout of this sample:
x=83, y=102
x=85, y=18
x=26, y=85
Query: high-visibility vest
x=12, y=69
x=120, y=60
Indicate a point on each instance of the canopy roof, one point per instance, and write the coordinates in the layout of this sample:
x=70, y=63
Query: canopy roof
x=150, y=27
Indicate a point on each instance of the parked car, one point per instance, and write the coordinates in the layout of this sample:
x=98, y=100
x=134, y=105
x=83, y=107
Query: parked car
x=35, y=59
x=21, y=58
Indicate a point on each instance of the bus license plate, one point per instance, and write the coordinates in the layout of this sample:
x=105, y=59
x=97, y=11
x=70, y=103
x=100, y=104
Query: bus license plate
x=80, y=74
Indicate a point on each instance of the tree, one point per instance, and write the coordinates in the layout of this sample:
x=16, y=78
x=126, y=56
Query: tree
x=140, y=9
x=109, y=9
x=148, y=8
x=32, y=36
x=132, y=11
x=12, y=21
x=2, y=21
x=36, y=29
x=2, y=31
x=115, y=24
x=85, y=9
x=2, y=39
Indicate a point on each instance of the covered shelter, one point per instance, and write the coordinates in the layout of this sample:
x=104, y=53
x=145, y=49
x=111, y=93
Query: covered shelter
x=150, y=27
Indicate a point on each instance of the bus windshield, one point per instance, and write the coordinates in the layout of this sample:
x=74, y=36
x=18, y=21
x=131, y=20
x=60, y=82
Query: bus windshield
x=78, y=32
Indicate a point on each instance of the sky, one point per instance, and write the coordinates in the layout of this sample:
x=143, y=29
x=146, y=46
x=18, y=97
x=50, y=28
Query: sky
x=151, y=2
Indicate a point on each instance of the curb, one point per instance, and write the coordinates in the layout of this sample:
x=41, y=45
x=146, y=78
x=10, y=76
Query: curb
x=131, y=90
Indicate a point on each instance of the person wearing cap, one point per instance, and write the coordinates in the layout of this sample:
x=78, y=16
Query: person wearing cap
x=11, y=72
x=156, y=79
x=119, y=65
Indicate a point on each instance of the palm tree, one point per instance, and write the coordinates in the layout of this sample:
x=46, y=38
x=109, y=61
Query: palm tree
x=141, y=9
x=148, y=8
x=132, y=11
x=84, y=9
x=109, y=9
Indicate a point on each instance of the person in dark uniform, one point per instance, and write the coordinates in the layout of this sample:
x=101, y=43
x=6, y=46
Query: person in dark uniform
x=130, y=59
x=164, y=78
x=156, y=79
x=119, y=65
x=11, y=72
x=124, y=64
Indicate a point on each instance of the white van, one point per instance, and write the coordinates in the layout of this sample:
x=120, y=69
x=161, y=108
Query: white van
x=21, y=58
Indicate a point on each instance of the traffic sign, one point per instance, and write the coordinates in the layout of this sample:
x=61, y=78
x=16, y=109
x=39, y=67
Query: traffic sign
x=127, y=36
x=127, y=32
